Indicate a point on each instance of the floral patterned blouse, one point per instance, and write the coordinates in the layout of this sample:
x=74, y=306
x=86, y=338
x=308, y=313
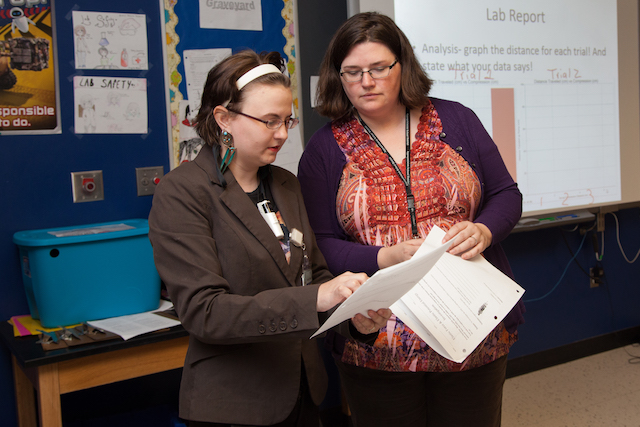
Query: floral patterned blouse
x=372, y=208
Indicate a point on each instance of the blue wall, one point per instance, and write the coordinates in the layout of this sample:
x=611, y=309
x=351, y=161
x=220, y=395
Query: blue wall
x=574, y=311
x=35, y=170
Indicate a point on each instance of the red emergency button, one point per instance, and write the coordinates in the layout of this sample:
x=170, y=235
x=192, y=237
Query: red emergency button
x=88, y=185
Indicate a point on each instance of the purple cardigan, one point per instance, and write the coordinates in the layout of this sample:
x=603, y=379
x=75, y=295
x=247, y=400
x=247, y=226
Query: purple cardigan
x=500, y=207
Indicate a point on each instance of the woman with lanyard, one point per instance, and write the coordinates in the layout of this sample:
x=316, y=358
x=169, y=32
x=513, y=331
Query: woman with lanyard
x=234, y=247
x=391, y=165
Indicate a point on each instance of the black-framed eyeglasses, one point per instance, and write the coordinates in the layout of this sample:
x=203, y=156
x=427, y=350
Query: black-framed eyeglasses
x=375, y=73
x=272, y=124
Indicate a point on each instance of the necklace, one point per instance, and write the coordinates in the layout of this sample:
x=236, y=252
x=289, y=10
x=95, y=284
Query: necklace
x=406, y=179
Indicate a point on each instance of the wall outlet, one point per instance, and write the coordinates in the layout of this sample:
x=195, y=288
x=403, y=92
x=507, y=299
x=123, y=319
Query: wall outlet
x=595, y=276
x=87, y=186
x=147, y=179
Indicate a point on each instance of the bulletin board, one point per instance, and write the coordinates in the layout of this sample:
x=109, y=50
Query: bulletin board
x=183, y=32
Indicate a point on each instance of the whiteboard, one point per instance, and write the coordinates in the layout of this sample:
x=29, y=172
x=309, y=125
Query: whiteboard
x=554, y=82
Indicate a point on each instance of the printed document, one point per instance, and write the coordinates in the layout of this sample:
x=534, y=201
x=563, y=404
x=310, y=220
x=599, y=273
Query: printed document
x=132, y=325
x=451, y=303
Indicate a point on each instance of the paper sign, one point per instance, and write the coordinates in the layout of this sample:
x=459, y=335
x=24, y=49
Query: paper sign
x=110, y=105
x=197, y=64
x=104, y=40
x=231, y=15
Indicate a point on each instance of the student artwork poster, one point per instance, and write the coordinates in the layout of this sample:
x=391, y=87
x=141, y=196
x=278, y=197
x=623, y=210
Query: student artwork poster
x=113, y=41
x=110, y=105
x=28, y=89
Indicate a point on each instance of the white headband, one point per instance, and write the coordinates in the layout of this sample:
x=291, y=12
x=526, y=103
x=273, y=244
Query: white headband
x=256, y=72
x=253, y=74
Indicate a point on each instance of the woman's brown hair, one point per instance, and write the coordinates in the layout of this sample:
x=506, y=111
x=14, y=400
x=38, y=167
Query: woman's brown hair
x=331, y=99
x=221, y=88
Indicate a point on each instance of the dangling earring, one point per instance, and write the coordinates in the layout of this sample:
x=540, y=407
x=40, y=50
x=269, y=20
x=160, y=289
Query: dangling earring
x=227, y=141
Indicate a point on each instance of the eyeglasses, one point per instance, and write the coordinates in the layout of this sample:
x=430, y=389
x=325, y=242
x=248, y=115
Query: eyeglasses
x=273, y=124
x=375, y=73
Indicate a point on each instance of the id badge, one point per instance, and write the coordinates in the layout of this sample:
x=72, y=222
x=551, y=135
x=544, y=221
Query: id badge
x=307, y=276
x=307, y=273
x=296, y=237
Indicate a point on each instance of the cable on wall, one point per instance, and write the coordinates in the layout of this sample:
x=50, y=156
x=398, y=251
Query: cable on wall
x=619, y=244
x=584, y=238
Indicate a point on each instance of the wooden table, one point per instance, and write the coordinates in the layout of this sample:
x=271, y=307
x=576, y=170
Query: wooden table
x=56, y=372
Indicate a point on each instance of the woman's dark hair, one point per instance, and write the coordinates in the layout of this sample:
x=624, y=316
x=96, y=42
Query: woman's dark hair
x=221, y=87
x=331, y=99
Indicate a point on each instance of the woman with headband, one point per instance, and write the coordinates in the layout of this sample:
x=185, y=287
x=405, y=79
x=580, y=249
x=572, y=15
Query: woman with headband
x=234, y=247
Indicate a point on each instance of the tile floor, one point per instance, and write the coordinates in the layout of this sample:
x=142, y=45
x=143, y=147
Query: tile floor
x=602, y=390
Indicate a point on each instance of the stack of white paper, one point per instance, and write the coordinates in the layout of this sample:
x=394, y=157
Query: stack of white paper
x=451, y=303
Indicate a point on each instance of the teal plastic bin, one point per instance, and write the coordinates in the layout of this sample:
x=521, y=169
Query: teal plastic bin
x=75, y=274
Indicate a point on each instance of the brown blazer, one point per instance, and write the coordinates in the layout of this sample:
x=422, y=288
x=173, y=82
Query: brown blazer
x=248, y=318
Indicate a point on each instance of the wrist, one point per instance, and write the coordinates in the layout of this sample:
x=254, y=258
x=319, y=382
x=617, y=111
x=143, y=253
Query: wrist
x=382, y=258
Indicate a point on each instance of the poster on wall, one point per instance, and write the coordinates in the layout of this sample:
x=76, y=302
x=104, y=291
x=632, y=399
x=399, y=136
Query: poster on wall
x=115, y=41
x=197, y=63
x=190, y=142
x=29, y=101
x=231, y=15
x=110, y=105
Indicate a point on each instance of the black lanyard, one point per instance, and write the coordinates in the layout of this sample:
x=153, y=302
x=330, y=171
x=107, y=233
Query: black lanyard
x=405, y=180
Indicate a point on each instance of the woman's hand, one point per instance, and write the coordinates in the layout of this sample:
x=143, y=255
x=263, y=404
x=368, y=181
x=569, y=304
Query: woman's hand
x=338, y=289
x=397, y=253
x=470, y=239
x=376, y=320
